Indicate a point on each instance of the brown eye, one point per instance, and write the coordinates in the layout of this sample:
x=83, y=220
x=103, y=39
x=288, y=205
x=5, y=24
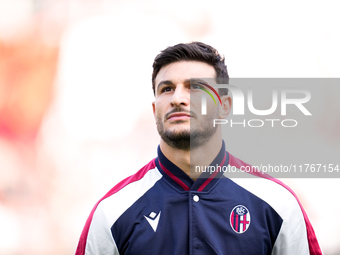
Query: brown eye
x=196, y=86
x=166, y=89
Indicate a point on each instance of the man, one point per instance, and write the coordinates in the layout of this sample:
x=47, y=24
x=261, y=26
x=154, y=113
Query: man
x=167, y=209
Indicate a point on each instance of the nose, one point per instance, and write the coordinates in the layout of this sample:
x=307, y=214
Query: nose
x=180, y=97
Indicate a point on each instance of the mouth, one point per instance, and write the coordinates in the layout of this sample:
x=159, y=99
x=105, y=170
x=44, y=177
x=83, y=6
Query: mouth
x=178, y=116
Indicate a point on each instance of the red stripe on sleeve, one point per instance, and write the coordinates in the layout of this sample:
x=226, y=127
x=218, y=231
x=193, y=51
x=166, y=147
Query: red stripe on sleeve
x=137, y=176
x=314, y=247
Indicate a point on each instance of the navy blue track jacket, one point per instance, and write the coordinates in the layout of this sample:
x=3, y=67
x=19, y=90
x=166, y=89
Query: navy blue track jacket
x=161, y=210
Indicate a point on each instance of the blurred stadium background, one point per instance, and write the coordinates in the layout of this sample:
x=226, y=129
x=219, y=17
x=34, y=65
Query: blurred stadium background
x=75, y=99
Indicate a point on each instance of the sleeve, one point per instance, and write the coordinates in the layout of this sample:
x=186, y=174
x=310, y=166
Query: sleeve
x=96, y=237
x=296, y=235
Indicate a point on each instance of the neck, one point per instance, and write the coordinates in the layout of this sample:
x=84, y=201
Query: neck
x=188, y=159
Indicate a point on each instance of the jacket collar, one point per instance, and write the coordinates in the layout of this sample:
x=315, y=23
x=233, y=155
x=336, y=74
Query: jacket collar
x=180, y=180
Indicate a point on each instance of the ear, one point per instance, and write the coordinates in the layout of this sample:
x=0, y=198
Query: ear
x=226, y=106
x=154, y=109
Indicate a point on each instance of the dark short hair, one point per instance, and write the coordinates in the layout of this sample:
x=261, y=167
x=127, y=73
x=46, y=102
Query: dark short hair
x=194, y=51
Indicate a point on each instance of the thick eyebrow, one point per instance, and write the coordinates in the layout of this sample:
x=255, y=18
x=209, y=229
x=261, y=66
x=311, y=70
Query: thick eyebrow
x=187, y=81
x=197, y=80
x=170, y=83
x=166, y=82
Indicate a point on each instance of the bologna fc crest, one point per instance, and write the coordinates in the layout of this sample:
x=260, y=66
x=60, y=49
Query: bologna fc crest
x=240, y=219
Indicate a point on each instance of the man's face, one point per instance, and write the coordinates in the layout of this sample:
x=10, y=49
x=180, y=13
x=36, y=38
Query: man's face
x=178, y=118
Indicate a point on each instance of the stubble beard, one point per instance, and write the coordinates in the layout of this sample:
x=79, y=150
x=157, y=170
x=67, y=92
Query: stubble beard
x=198, y=134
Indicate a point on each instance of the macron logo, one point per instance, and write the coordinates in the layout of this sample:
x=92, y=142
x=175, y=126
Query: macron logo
x=153, y=220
